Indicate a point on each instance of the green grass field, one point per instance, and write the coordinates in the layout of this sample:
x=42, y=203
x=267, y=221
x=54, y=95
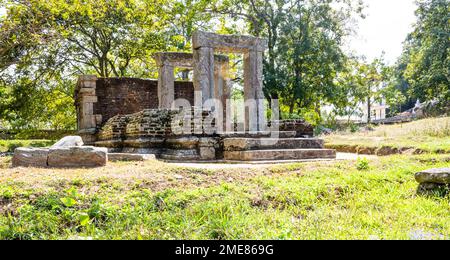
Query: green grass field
x=372, y=198
x=430, y=135
x=155, y=200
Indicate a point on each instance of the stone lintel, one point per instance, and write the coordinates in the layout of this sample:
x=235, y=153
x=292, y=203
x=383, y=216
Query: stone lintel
x=228, y=43
x=182, y=60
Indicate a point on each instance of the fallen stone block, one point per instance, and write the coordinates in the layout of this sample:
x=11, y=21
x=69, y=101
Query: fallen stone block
x=77, y=157
x=69, y=141
x=438, y=176
x=30, y=157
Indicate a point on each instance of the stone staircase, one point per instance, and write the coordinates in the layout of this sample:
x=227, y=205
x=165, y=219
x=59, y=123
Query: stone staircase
x=269, y=149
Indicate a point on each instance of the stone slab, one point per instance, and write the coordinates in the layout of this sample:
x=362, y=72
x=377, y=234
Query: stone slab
x=77, y=157
x=30, y=157
x=438, y=176
x=267, y=134
x=114, y=157
x=243, y=144
x=180, y=155
x=228, y=43
x=285, y=154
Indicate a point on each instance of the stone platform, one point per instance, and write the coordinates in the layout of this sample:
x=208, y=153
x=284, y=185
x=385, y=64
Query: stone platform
x=266, y=149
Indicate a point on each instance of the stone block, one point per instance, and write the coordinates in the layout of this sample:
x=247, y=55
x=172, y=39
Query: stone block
x=438, y=176
x=283, y=154
x=129, y=157
x=30, y=157
x=76, y=157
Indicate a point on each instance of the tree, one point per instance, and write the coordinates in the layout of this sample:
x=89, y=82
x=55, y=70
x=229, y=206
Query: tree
x=45, y=45
x=423, y=69
x=304, y=39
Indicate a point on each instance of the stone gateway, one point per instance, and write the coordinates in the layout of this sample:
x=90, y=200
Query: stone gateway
x=191, y=121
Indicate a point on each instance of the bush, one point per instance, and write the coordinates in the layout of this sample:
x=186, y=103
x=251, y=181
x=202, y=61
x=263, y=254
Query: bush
x=362, y=164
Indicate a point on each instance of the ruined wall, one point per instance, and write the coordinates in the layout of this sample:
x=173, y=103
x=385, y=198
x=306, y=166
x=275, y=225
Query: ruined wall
x=150, y=123
x=123, y=96
x=301, y=127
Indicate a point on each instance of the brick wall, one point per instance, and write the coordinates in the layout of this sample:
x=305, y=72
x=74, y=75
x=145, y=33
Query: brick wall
x=123, y=96
x=156, y=123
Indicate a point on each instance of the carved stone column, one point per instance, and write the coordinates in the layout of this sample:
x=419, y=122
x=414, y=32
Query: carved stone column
x=85, y=97
x=204, y=74
x=255, y=117
x=166, y=86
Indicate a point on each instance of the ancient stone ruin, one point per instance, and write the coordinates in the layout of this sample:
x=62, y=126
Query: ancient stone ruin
x=182, y=120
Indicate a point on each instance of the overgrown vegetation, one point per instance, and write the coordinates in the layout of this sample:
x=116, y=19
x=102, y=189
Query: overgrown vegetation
x=429, y=135
x=331, y=200
x=8, y=146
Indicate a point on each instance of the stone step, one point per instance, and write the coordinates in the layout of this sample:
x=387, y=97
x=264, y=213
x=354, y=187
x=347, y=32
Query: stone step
x=179, y=155
x=265, y=134
x=244, y=144
x=286, y=154
x=130, y=157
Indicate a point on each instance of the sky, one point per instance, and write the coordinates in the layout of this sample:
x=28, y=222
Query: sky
x=386, y=26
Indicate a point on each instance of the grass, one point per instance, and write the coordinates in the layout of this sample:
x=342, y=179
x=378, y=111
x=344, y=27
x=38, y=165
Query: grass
x=155, y=200
x=8, y=146
x=430, y=135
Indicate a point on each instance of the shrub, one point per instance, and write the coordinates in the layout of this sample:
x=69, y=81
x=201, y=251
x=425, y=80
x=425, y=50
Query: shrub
x=362, y=164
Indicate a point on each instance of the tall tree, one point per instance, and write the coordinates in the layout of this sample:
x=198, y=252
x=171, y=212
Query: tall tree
x=304, y=45
x=424, y=68
x=46, y=44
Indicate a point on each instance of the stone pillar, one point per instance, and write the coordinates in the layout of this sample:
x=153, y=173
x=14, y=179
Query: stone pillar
x=203, y=74
x=222, y=90
x=85, y=97
x=166, y=86
x=255, y=114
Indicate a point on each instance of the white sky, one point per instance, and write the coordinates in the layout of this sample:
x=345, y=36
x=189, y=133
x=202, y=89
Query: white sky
x=386, y=26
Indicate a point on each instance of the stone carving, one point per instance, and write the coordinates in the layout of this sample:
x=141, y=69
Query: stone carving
x=69, y=141
x=85, y=97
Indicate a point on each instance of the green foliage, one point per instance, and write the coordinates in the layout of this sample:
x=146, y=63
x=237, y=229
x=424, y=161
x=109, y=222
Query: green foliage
x=293, y=201
x=362, y=164
x=423, y=70
x=304, y=51
x=45, y=45
x=11, y=145
x=68, y=202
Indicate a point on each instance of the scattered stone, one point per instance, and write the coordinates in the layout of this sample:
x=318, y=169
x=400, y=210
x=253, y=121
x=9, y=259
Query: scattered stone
x=433, y=181
x=178, y=177
x=30, y=157
x=437, y=176
x=387, y=150
x=69, y=141
x=70, y=157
